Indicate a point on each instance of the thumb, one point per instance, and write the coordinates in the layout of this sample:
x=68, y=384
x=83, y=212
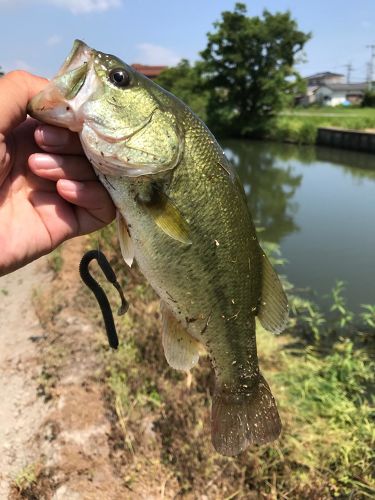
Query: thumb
x=16, y=89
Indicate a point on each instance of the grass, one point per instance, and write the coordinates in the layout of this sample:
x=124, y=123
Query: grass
x=329, y=438
x=55, y=260
x=23, y=485
x=301, y=125
x=320, y=371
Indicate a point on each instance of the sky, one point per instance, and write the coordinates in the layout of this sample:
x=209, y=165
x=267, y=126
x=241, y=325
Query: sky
x=37, y=35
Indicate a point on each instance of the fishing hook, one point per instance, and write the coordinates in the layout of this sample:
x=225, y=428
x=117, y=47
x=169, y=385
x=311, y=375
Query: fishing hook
x=99, y=293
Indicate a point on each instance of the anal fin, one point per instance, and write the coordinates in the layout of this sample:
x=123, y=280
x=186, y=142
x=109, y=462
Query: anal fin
x=273, y=309
x=180, y=348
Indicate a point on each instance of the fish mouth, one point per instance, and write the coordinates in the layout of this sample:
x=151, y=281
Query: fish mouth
x=59, y=104
x=80, y=54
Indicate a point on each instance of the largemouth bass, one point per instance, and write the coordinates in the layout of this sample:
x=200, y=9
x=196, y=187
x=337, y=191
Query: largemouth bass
x=182, y=214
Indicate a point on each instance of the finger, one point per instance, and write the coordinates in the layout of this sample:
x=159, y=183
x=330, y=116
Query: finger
x=55, y=167
x=90, y=196
x=57, y=140
x=16, y=89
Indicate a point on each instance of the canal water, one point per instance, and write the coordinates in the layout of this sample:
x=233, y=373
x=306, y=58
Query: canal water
x=318, y=204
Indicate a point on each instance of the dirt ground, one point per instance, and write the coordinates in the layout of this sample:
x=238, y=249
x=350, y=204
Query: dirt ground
x=79, y=421
x=53, y=423
x=21, y=411
x=61, y=435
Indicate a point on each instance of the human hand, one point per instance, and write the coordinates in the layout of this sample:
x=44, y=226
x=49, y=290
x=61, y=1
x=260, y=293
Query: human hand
x=48, y=190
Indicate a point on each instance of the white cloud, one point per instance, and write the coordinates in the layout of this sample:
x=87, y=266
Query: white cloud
x=84, y=6
x=75, y=6
x=156, y=55
x=54, y=40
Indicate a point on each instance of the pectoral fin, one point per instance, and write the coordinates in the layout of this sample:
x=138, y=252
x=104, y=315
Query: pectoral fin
x=126, y=244
x=181, y=349
x=167, y=217
x=273, y=307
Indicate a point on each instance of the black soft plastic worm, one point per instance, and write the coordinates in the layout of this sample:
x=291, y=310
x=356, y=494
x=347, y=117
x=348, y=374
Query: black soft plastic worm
x=99, y=293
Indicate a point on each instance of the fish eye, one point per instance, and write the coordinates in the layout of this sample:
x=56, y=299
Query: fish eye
x=119, y=77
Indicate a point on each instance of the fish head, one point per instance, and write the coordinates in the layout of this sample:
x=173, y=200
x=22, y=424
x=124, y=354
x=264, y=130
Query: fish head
x=127, y=124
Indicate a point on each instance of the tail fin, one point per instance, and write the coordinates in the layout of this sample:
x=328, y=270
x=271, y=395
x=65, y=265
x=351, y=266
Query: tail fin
x=239, y=420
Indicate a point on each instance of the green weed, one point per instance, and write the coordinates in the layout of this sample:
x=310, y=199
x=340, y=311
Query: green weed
x=344, y=317
x=301, y=125
x=55, y=260
x=322, y=384
x=26, y=478
x=330, y=434
x=368, y=315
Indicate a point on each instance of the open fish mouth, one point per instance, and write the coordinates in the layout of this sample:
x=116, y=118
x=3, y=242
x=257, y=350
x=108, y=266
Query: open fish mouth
x=117, y=140
x=61, y=101
x=80, y=54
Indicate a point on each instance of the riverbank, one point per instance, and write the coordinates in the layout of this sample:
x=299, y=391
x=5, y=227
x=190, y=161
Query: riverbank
x=155, y=421
x=301, y=125
x=124, y=425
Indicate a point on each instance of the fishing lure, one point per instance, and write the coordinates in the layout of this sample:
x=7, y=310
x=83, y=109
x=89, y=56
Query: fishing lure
x=99, y=293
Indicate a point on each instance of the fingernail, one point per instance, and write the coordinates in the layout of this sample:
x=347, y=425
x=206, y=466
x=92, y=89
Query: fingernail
x=69, y=185
x=46, y=161
x=53, y=136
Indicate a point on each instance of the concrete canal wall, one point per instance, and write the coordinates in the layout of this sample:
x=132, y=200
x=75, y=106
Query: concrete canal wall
x=358, y=140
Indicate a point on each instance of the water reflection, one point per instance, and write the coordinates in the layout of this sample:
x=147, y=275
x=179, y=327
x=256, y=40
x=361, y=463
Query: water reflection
x=319, y=204
x=269, y=188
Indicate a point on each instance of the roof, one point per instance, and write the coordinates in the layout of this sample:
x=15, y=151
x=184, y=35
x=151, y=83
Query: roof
x=347, y=87
x=324, y=74
x=149, y=71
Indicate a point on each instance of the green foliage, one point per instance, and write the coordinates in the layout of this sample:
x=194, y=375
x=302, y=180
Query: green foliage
x=330, y=416
x=184, y=80
x=319, y=375
x=26, y=478
x=248, y=68
x=301, y=125
x=368, y=315
x=344, y=317
x=55, y=260
x=369, y=99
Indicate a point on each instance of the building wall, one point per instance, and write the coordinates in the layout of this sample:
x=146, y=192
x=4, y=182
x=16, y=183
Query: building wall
x=329, y=97
x=324, y=96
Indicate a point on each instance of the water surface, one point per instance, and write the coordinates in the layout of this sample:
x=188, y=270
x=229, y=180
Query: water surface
x=318, y=204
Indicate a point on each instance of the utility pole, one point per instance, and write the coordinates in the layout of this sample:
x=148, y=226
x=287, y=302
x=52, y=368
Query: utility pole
x=371, y=65
x=349, y=69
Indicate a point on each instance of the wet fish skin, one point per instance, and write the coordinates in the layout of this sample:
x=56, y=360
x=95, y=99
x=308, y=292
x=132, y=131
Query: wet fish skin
x=184, y=217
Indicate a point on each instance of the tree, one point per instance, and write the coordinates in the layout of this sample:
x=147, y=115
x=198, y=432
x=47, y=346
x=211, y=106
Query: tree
x=185, y=82
x=1, y=72
x=369, y=99
x=248, y=68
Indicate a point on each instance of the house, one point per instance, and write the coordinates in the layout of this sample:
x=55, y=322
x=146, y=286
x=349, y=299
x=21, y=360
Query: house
x=334, y=94
x=149, y=71
x=330, y=89
x=319, y=79
x=313, y=83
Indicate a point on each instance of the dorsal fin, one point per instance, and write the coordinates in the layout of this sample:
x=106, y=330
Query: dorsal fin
x=273, y=307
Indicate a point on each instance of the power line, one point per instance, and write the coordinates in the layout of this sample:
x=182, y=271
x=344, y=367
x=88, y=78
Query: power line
x=370, y=77
x=349, y=69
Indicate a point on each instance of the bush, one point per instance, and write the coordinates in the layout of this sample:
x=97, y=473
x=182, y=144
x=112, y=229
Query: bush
x=369, y=99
